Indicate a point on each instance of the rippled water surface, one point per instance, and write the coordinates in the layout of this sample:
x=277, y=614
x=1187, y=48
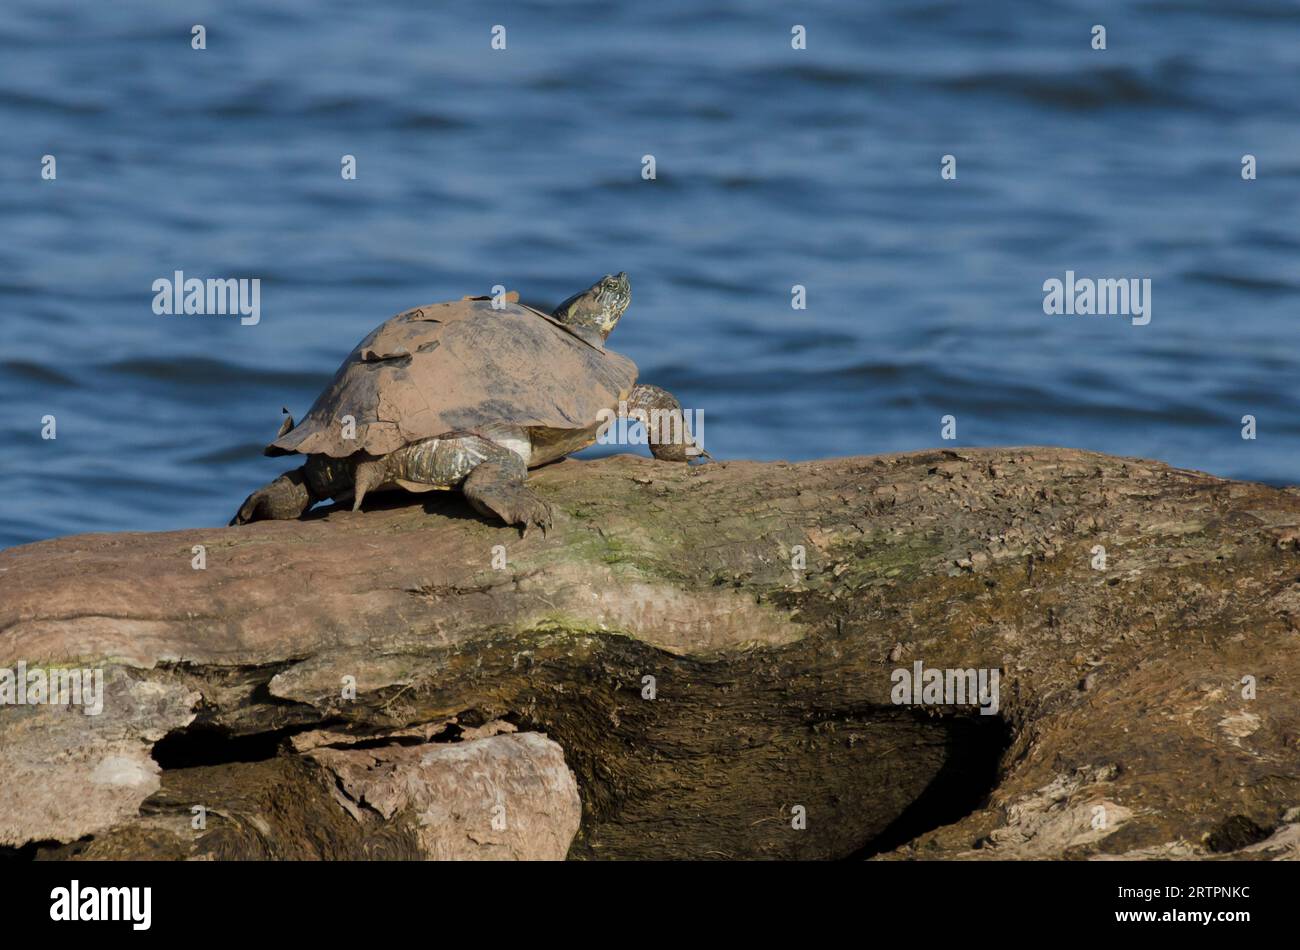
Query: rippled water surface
x=775, y=167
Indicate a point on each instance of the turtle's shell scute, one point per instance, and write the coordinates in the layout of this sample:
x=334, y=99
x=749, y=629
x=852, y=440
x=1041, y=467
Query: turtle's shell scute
x=457, y=366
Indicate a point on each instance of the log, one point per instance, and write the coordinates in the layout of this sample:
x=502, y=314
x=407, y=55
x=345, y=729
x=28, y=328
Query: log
x=700, y=662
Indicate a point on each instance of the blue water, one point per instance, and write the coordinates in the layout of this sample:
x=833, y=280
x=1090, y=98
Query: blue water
x=775, y=167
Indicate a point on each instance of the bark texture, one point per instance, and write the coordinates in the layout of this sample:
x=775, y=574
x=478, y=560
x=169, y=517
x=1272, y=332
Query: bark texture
x=710, y=652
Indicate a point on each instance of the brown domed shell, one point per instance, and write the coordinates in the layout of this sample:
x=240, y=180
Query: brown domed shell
x=454, y=367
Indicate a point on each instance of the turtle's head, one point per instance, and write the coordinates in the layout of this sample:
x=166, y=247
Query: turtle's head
x=597, y=308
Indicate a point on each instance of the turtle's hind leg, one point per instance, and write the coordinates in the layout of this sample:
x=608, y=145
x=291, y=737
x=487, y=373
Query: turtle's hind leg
x=286, y=497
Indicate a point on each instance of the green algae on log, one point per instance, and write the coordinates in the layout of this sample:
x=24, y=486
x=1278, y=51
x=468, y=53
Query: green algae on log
x=711, y=650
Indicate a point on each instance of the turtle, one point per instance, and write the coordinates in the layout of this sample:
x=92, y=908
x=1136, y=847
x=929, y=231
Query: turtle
x=469, y=395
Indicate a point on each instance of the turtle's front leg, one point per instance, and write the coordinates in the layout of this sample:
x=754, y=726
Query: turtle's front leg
x=491, y=477
x=665, y=424
x=286, y=497
x=497, y=486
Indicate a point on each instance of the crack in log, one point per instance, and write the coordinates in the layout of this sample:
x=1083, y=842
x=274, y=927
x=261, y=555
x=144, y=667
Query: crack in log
x=202, y=744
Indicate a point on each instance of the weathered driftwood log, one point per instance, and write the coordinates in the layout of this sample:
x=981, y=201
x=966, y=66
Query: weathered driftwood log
x=713, y=650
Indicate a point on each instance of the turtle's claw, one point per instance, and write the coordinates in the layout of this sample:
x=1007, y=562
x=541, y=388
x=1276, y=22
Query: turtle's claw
x=248, y=510
x=534, y=512
x=497, y=487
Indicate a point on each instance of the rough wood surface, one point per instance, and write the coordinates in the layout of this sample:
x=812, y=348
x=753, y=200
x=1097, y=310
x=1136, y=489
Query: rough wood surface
x=1124, y=725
